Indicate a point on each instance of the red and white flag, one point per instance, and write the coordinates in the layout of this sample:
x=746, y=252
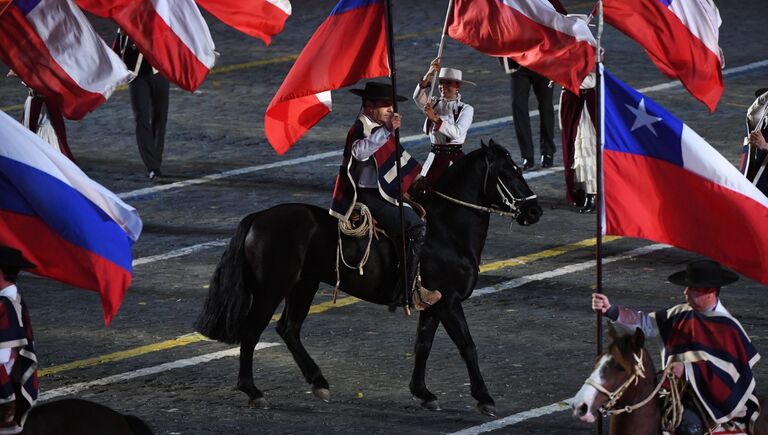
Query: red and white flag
x=261, y=19
x=52, y=47
x=348, y=46
x=171, y=34
x=531, y=32
x=680, y=36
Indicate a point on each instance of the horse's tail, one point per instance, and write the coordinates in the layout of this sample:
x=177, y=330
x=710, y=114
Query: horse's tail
x=228, y=299
x=137, y=425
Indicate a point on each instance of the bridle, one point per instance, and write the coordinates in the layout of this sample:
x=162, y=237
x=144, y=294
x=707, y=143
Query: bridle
x=608, y=408
x=507, y=197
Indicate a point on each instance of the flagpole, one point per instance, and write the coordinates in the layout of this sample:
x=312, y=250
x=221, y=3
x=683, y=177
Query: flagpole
x=440, y=49
x=398, y=147
x=599, y=127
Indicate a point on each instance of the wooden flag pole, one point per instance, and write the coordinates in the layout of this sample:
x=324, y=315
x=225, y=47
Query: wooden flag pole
x=398, y=147
x=600, y=209
x=440, y=50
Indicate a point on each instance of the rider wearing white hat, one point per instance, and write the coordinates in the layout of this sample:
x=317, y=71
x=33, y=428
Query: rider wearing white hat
x=448, y=119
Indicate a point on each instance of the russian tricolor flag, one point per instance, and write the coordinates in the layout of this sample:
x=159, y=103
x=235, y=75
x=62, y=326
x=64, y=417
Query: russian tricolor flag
x=350, y=45
x=73, y=229
x=171, y=34
x=531, y=32
x=680, y=36
x=52, y=48
x=664, y=182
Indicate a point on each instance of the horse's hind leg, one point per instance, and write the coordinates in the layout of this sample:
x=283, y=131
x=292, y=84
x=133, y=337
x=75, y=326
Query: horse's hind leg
x=297, y=305
x=258, y=318
x=425, y=335
x=455, y=325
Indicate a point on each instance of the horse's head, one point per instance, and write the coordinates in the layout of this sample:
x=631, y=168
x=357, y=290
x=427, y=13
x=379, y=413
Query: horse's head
x=616, y=372
x=505, y=188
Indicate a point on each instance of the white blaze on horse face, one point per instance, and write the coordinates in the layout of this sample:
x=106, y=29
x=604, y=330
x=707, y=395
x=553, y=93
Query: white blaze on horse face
x=584, y=401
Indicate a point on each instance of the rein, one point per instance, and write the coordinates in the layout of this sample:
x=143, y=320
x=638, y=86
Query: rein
x=508, y=199
x=670, y=419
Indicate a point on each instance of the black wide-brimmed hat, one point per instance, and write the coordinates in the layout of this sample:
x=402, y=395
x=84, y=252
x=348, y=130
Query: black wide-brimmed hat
x=10, y=257
x=760, y=91
x=377, y=92
x=703, y=273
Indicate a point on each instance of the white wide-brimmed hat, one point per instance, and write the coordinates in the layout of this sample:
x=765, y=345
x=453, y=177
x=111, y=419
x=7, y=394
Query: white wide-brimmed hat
x=452, y=74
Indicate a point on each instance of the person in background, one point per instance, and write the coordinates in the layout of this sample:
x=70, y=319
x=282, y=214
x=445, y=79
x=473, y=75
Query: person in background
x=448, y=119
x=755, y=147
x=18, y=363
x=149, y=101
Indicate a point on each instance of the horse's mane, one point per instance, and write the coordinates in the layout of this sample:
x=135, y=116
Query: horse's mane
x=456, y=173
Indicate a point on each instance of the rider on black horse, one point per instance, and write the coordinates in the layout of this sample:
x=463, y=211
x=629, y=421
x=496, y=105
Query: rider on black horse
x=368, y=175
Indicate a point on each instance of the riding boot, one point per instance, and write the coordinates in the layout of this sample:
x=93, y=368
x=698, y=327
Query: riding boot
x=420, y=297
x=691, y=423
x=589, y=204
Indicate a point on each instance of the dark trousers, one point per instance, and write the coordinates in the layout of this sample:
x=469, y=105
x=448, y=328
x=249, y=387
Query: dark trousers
x=388, y=215
x=149, y=100
x=522, y=82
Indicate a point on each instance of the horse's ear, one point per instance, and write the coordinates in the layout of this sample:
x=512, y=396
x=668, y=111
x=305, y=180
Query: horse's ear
x=491, y=142
x=482, y=144
x=638, y=340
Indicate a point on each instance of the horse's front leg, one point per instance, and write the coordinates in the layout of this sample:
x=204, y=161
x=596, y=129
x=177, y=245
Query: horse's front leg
x=455, y=325
x=425, y=334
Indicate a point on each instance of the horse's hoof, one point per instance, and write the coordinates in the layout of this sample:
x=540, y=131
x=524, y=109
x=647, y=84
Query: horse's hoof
x=431, y=405
x=259, y=403
x=487, y=409
x=323, y=394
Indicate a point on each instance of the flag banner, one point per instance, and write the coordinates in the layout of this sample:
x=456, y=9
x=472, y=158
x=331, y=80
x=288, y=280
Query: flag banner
x=530, y=32
x=664, y=182
x=72, y=228
x=350, y=45
x=171, y=34
x=261, y=19
x=52, y=47
x=680, y=36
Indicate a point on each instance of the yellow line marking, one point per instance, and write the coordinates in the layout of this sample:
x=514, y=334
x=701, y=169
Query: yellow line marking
x=542, y=255
x=170, y=344
x=314, y=309
x=255, y=64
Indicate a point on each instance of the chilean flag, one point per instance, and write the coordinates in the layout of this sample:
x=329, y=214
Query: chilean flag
x=73, y=229
x=348, y=46
x=171, y=34
x=530, y=32
x=261, y=19
x=663, y=182
x=680, y=36
x=53, y=49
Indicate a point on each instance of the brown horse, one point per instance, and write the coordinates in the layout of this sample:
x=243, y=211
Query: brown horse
x=81, y=417
x=624, y=385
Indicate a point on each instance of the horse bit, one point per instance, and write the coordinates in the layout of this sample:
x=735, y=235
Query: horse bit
x=509, y=199
x=639, y=372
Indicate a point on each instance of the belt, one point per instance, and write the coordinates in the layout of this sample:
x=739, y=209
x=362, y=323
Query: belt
x=446, y=149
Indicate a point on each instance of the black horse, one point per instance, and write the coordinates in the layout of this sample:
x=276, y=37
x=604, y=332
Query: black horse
x=81, y=417
x=283, y=253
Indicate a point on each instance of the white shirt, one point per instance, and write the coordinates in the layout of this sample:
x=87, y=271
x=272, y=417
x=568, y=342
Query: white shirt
x=453, y=129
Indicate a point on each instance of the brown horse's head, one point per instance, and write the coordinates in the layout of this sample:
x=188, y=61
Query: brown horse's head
x=617, y=372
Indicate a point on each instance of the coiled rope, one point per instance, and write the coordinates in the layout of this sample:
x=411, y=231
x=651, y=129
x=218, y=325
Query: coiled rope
x=358, y=228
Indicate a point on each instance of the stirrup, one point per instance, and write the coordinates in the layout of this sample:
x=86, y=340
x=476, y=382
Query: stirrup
x=423, y=298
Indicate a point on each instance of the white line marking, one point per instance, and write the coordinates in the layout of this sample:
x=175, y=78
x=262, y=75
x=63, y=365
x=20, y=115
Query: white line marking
x=576, y=267
x=405, y=140
x=78, y=387
x=81, y=386
x=180, y=252
x=563, y=405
